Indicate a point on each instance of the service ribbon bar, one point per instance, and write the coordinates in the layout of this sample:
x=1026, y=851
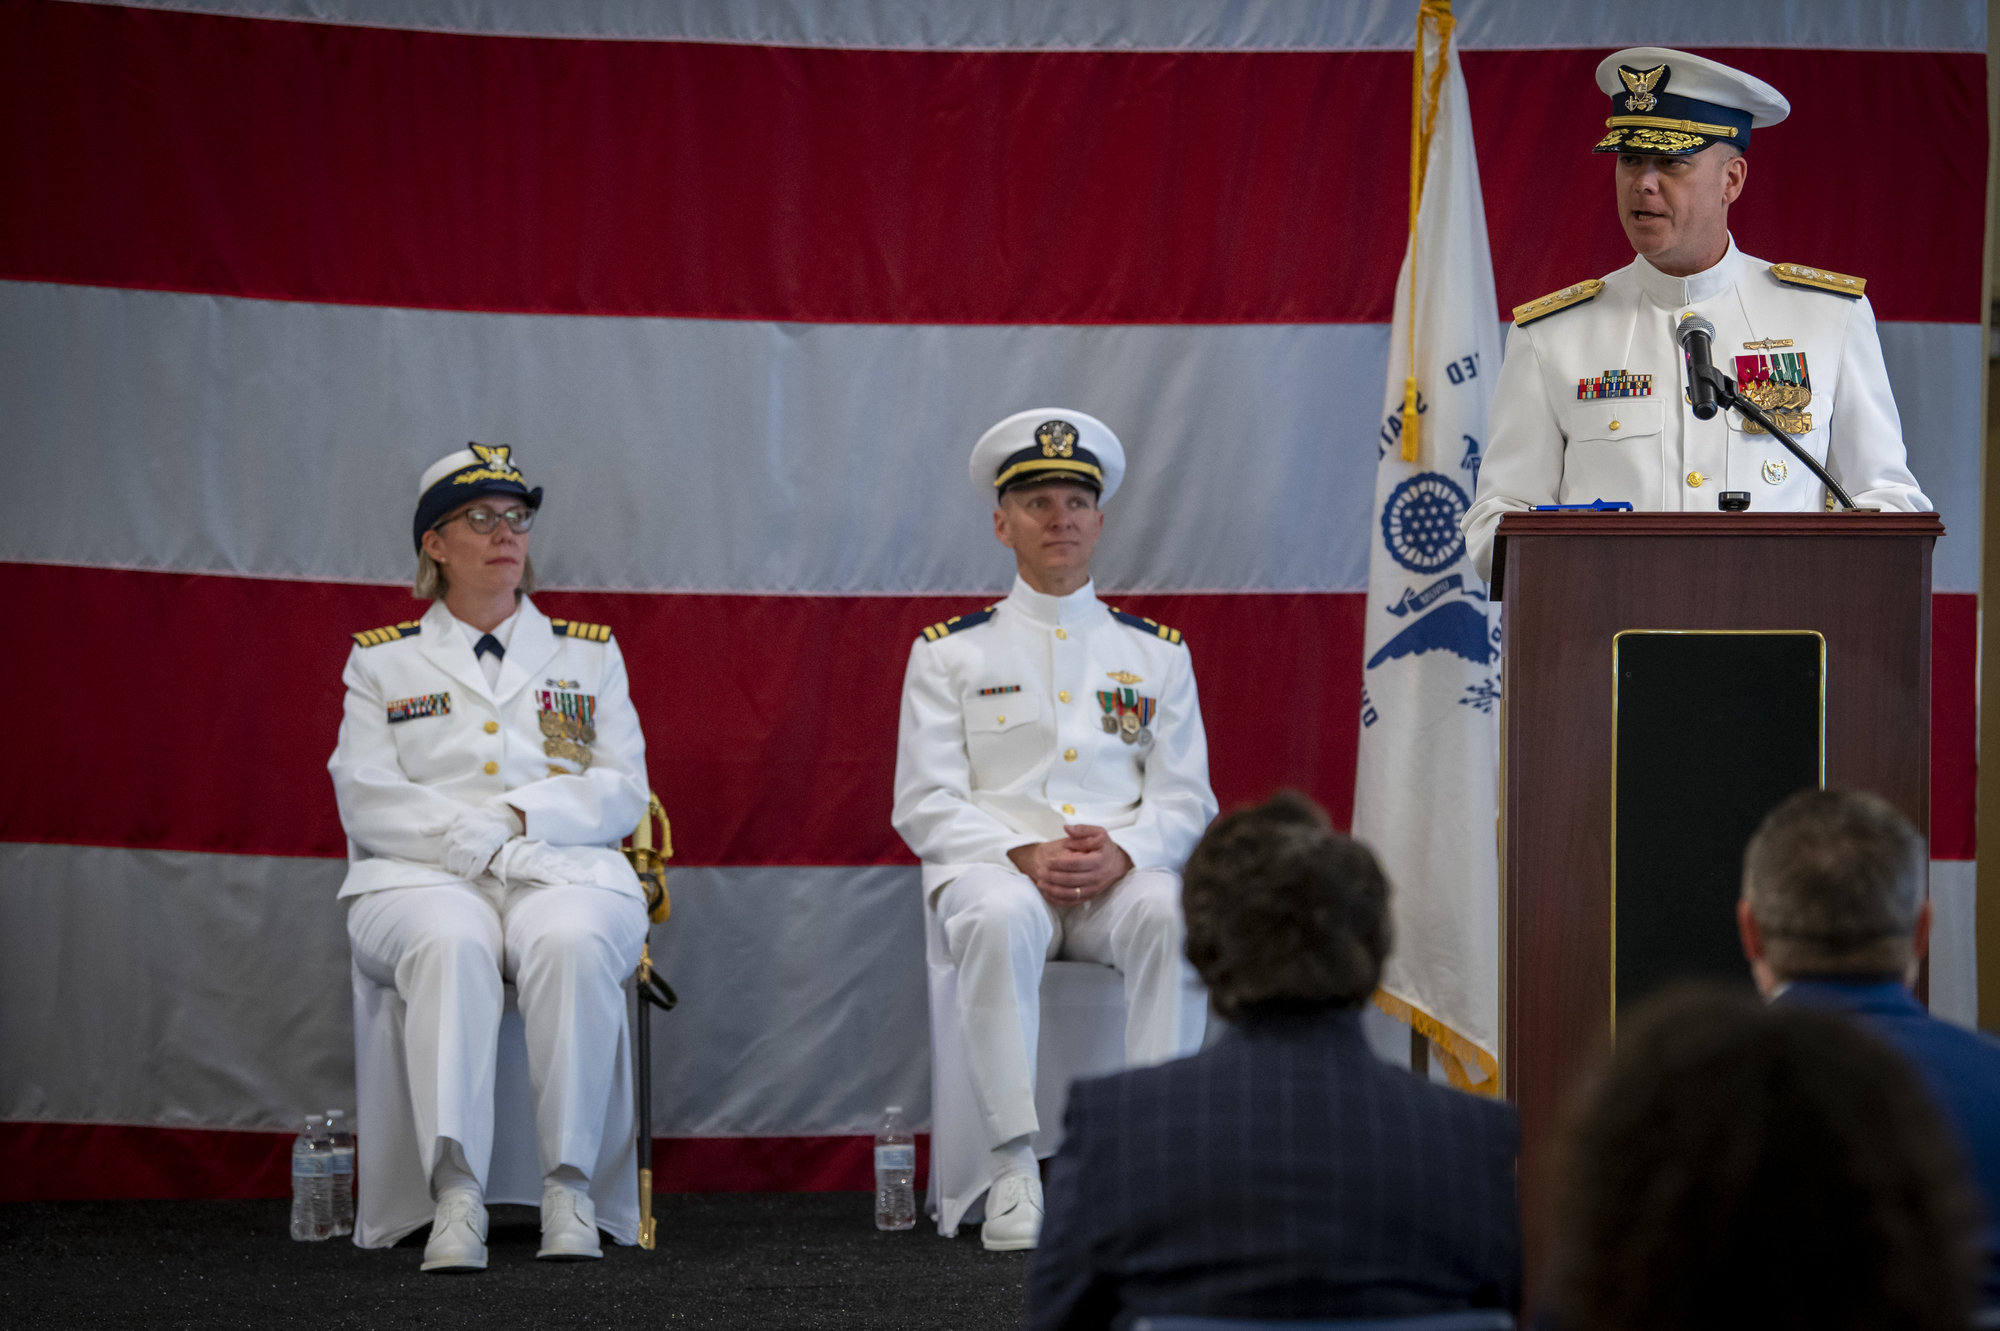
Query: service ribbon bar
x=1614, y=383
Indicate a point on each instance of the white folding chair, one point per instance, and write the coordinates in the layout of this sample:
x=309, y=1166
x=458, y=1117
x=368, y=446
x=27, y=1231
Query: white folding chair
x=394, y=1195
x=1082, y=1035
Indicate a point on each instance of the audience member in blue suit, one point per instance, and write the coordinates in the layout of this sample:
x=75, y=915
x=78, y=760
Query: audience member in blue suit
x=1739, y=1167
x=1833, y=915
x=1285, y=1171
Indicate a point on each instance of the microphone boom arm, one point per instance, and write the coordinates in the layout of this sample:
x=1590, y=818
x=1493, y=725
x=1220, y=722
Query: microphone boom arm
x=1727, y=396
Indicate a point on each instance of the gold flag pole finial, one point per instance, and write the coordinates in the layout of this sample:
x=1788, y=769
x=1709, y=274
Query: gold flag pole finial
x=1435, y=14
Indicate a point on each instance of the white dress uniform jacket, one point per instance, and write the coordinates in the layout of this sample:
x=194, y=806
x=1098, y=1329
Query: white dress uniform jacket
x=424, y=736
x=1550, y=446
x=1003, y=741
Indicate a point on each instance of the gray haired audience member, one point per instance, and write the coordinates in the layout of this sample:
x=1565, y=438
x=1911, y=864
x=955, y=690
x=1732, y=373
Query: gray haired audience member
x=1284, y=1171
x=1739, y=1166
x=1833, y=916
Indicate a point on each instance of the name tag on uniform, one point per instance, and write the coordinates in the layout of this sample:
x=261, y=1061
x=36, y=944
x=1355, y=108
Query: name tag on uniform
x=409, y=709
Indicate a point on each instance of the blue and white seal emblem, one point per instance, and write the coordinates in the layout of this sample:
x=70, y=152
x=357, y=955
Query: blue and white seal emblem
x=1420, y=522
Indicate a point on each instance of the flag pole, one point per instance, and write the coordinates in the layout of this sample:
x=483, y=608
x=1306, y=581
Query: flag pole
x=1423, y=120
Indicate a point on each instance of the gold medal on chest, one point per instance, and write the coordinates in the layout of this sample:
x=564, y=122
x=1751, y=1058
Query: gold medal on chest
x=1781, y=384
x=568, y=728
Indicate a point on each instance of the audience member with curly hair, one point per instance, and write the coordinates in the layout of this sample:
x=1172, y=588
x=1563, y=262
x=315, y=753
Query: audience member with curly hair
x=1738, y=1166
x=1285, y=1171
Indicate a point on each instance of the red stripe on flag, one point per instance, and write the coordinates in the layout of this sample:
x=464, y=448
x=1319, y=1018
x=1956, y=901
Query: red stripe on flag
x=360, y=165
x=203, y=708
x=63, y=1162
x=315, y=162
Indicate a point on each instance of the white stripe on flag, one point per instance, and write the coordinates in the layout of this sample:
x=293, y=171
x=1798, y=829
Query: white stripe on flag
x=180, y=432
x=192, y=433
x=1188, y=25
x=216, y=993
x=1425, y=789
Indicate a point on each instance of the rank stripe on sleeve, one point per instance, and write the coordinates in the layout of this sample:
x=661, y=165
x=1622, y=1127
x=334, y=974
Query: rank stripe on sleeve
x=1147, y=626
x=391, y=633
x=950, y=626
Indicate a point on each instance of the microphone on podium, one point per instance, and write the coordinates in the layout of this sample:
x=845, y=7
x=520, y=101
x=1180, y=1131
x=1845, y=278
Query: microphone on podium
x=1696, y=336
x=1709, y=390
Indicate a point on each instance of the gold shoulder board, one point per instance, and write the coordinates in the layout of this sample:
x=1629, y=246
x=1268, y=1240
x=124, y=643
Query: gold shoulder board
x=376, y=637
x=956, y=623
x=1151, y=627
x=1556, y=300
x=569, y=628
x=1798, y=275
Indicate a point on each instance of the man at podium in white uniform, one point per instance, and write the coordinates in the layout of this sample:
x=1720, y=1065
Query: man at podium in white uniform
x=1592, y=400
x=1052, y=775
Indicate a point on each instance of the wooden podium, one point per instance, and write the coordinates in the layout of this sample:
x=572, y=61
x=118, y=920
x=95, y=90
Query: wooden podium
x=1746, y=645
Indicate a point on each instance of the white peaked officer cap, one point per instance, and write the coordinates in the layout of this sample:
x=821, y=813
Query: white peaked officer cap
x=1668, y=103
x=473, y=471
x=1047, y=444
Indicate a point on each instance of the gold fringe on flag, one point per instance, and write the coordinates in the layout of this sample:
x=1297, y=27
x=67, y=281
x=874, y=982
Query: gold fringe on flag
x=1436, y=16
x=1454, y=1051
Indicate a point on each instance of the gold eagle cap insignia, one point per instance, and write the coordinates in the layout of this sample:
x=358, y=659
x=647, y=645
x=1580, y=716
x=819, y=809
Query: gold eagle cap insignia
x=1124, y=677
x=496, y=456
x=1057, y=438
x=1639, y=85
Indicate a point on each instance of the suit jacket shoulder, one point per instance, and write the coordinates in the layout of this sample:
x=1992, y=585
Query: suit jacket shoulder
x=1285, y=1173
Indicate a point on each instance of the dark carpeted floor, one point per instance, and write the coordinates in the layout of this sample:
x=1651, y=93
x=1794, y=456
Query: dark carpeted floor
x=809, y=1260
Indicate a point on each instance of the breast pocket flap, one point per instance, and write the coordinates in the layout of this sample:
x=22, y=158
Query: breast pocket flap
x=1003, y=711
x=1615, y=419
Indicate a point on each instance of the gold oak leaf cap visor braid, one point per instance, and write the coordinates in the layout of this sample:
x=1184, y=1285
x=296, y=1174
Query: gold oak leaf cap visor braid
x=1669, y=103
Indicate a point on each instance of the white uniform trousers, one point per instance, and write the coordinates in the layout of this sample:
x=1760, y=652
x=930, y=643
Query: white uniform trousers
x=1000, y=932
x=447, y=950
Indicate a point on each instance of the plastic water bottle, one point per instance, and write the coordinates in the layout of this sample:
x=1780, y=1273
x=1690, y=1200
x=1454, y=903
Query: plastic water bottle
x=895, y=1172
x=312, y=1194
x=341, y=1173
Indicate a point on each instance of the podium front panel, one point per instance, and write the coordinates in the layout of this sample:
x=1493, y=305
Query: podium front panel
x=1710, y=732
x=1569, y=584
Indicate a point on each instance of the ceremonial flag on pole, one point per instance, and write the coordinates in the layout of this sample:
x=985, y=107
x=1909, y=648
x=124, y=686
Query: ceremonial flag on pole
x=1425, y=792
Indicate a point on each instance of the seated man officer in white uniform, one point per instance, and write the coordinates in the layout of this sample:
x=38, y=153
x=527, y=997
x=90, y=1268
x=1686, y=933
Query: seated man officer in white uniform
x=1591, y=402
x=489, y=762
x=1052, y=775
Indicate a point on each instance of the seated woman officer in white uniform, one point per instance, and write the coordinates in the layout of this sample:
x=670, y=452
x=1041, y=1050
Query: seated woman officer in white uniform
x=489, y=762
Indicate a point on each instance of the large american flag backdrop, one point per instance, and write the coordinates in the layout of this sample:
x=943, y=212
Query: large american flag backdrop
x=741, y=283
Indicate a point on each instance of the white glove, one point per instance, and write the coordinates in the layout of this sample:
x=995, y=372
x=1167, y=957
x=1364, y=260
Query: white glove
x=523, y=863
x=473, y=839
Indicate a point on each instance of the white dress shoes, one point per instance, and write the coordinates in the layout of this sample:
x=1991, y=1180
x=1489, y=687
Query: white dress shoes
x=1013, y=1213
x=569, y=1226
x=458, y=1234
